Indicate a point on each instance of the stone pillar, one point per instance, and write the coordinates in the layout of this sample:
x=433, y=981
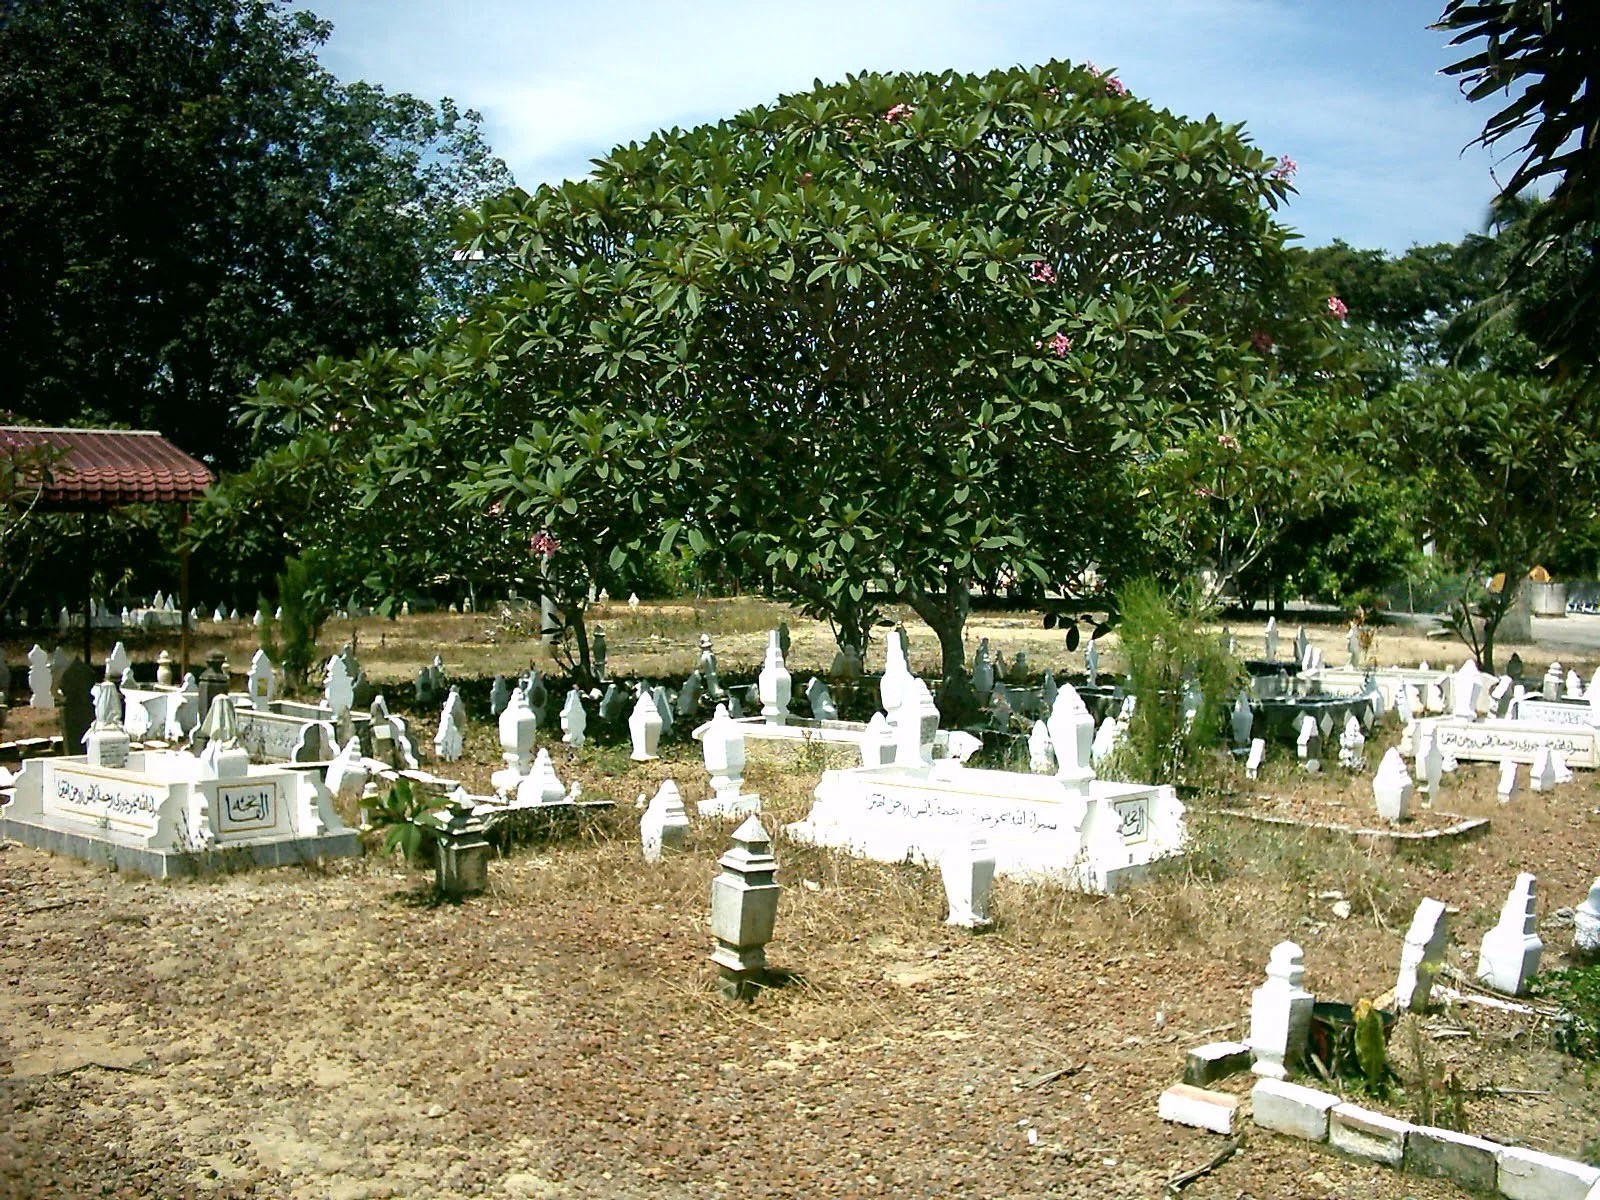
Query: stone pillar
x=744, y=910
x=213, y=681
x=1280, y=1014
x=461, y=865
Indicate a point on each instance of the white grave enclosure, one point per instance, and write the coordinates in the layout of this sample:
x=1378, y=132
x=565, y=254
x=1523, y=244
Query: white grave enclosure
x=1093, y=835
x=169, y=813
x=1516, y=741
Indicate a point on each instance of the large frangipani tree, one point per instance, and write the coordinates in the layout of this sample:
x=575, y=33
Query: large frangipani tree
x=883, y=339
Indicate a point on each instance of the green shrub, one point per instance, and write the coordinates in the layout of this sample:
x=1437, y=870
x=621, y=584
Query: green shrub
x=1170, y=655
x=1577, y=990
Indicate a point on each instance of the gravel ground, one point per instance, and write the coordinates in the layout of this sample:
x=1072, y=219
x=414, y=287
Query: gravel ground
x=325, y=1032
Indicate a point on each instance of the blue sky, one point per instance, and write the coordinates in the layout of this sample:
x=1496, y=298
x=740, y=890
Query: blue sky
x=1348, y=88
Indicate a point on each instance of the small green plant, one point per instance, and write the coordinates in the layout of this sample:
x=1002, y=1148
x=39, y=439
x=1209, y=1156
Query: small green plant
x=1175, y=668
x=1438, y=1101
x=1577, y=991
x=1372, y=1051
x=304, y=611
x=408, y=819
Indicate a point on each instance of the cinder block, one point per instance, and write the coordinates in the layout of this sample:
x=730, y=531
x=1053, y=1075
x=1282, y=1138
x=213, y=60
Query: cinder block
x=1529, y=1175
x=1289, y=1108
x=1214, y=1061
x=1362, y=1133
x=1194, y=1106
x=1444, y=1154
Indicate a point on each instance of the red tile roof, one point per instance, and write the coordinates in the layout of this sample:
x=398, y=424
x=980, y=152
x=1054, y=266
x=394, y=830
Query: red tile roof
x=106, y=468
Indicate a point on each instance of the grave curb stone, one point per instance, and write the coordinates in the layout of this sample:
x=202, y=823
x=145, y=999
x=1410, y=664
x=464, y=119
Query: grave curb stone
x=1531, y=1175
x=1362, y=1133
x=1214, y=1061
x=1292, y=1109
x=1184, y=1104
x=1444, y=1154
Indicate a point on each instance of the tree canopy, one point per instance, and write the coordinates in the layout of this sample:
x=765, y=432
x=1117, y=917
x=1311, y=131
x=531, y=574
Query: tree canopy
x=913, y=327
x=189, y=202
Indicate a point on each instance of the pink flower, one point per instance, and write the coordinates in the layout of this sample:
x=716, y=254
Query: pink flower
x=1285, y=169
x=1337, y=308
x=1042, y=272
x=1060, y=344
x=1227, y=441
x=544, y=542
x=1113, y=85
x=897, y=113
x=494, y=509
x=1205, y=492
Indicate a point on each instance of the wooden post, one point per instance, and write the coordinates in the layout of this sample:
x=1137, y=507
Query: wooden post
x=88, y=594
x=183, y=591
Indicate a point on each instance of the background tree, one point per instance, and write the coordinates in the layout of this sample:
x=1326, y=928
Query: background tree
x=1499, y=468
x=189, y=202
x=1544, y=55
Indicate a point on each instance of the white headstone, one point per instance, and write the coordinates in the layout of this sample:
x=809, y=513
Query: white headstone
x=877, y=742
x=774, y=683
x=1352, y=744
x=1586, y=923
x=1558, y=766
x=574, y=721
x=447, y=741
x=1307, y=734
x=1258, y=754
x=982, y=670
x=339, y=690
x=1243, y=720
x=542, y=786
x=822, y=705
x=1091, y=662
x=722, y=747
x=1542, y=774
x=261, y=684
x=665, y=822
x=916, y=726
x=1421, y=956
x=1466, y=688
x=347, y=774
x=1574, y=686
x=1040, y=759
x=1072, y=736
x=1552, y=682
x=1507, y=785
x=41, y=679
x=117, y=661
x=1280, y=1014
x=1272, y=639
x=968, y=871
x=644, y=727
x=1105, y=741
x=1392, y=787
x=1509, y=957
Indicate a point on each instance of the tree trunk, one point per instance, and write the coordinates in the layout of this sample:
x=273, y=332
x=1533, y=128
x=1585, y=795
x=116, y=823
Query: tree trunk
x=946, y=614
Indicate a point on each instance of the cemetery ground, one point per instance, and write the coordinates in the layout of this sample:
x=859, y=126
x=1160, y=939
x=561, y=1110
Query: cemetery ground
x=330, y=1031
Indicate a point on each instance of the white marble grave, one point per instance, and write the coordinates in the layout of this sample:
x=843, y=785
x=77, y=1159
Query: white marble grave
x=170, y=813
x=1091, y=834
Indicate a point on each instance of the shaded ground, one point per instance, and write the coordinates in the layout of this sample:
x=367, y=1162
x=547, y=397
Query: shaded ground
x=324, y=1032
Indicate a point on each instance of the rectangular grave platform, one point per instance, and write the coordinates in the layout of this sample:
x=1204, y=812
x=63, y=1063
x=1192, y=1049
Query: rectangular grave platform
x=169, y=813
x=1554, y=712
x=1093, y=835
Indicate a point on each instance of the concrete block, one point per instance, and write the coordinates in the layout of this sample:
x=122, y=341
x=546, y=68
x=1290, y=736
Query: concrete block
x=1198, y=1107
x=1444, y=1154
x=1289, y=1108
x=1214, y=1061
x=1529, y=1175
x=1362, y=1133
